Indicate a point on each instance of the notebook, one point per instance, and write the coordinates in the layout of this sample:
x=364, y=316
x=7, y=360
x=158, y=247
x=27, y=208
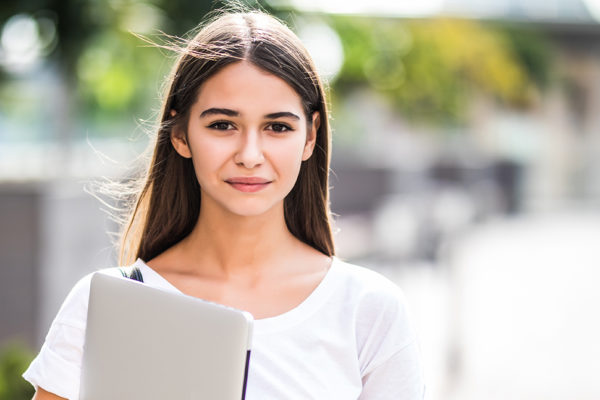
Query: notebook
x=146, y=343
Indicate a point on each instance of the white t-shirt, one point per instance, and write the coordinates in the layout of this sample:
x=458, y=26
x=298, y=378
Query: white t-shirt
x=350, y=339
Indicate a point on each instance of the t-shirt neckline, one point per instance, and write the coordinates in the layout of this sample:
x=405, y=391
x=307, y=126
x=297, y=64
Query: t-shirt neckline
x=313, y=302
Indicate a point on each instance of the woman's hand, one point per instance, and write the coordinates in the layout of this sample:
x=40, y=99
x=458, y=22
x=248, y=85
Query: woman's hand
x=41, y=394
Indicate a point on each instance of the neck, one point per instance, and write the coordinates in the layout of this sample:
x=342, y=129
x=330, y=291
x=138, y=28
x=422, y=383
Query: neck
x=227, y=244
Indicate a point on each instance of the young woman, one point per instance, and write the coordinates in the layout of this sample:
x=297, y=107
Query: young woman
x=234, y=209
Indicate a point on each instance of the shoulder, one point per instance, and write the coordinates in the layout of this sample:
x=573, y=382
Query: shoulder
x=73, y=310
x=378, y=307
x=57, y=367
x=367, y=286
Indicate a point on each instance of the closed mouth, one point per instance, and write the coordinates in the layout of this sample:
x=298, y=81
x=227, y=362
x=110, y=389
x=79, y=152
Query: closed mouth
x=248, y=184
x=249, y=180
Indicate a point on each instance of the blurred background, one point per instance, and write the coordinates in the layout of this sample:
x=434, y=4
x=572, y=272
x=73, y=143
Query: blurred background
x=465, y=168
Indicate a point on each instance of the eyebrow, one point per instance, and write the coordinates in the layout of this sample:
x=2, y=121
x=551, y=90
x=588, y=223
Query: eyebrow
x=224, y=111
x=282, y=114
x=233, y=113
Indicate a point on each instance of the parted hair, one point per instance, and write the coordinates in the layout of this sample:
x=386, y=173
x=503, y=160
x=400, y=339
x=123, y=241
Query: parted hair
x=167, y=206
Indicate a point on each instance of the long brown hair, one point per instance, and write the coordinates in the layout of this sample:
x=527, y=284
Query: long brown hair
x=168, y=205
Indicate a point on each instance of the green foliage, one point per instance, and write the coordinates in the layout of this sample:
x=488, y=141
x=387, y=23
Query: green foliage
x=533, y=51
x=14, y=360
x=430, y=69
x=116, y=72
x=109, y=72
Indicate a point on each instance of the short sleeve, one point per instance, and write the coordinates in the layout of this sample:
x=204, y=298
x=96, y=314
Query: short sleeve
x=389, y=356
x=57, y=367
x=398, y=377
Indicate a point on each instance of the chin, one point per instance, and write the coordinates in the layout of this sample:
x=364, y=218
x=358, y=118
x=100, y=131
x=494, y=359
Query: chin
x=252, y=210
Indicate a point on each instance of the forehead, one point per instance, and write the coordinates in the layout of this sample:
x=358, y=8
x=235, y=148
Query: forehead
x=246, y=88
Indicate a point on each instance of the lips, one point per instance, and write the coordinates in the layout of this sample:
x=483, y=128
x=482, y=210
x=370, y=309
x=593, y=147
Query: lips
x=248, y=183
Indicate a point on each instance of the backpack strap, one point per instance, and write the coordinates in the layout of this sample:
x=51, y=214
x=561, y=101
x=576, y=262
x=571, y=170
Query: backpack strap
x=132, y=272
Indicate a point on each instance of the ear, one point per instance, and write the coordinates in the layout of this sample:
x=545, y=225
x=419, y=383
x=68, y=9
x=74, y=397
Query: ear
x=311, y=136
x=179, y=140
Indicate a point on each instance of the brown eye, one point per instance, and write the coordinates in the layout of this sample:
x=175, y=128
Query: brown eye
x=279, y=127
x=221, y=126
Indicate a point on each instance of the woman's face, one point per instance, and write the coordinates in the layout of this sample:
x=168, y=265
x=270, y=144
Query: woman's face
x=247, y=136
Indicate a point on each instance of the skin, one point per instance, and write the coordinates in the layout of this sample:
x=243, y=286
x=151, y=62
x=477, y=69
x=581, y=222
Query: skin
x=240, y=252
x=41, y=394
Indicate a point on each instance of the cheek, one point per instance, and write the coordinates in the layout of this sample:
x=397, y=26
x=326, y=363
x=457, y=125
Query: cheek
x=288, y=158
x=208, y=156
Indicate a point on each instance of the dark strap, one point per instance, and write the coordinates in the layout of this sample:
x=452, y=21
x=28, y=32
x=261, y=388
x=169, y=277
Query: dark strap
x=133, y=273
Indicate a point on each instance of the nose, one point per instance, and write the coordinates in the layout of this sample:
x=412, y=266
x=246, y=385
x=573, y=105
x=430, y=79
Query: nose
x=249, y=153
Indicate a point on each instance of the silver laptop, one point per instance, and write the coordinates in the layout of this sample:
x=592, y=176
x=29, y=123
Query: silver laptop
x=146, y=343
